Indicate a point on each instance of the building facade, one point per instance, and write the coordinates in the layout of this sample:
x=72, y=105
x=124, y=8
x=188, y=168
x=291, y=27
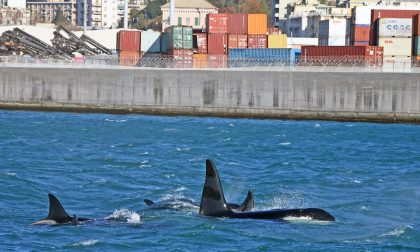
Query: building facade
x=45, y=11
x=189, y=13
x=14, y=16
x=80, y=10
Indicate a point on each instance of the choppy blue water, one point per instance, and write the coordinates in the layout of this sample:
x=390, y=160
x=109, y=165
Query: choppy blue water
x=366, y=175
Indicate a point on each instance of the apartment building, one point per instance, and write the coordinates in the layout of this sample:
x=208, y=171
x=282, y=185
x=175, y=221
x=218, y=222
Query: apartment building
x=189, y=12
x=45, y=11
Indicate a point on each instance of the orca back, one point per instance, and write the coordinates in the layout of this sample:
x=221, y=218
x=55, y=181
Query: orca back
x=57, y=212
x=213, y=201
x=149, y=202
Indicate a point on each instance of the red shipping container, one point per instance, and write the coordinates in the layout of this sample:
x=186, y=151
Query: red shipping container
x=372, y=54
x=128, y=40
x=217, y=43
x=360, y=33
x=237, y=23
x=376, y=14
x=217, y=23
x=182, y=58
x=257, y=41
x=200, y=43
x=237, y=41
x=416, y=25
x=217, y=61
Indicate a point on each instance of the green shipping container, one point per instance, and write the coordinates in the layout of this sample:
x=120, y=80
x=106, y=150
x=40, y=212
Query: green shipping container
x=187, y=36
x=416, y=46
x=180, y=37
x=175, y=37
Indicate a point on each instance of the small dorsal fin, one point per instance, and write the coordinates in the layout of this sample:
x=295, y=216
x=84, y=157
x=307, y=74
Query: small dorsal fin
x=57, y=212
x=149, y=202
x=213, y=201
x=248, y=203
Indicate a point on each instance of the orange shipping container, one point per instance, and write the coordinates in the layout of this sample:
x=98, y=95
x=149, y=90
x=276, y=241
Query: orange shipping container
x=200, y=61
x=257, y=24
x=360, y=33
x=129, y=58
x=237, y=41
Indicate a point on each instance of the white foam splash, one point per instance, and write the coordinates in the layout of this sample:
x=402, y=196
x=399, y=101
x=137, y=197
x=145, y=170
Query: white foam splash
x=397, y=231
x=298, y=219
x=125, y=215
x=285, y=143
x=183, y=149
x=357, y=181
x=11, y=174
x=86, y=243
x=317, y=125
x=144, y=153
x=118, y=121
x=182, y=188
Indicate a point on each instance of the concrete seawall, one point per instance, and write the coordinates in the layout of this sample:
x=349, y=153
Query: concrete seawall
x=387, y=97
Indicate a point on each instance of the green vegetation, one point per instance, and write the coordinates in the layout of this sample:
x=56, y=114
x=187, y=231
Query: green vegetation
x=242, y=6
x=148, y=18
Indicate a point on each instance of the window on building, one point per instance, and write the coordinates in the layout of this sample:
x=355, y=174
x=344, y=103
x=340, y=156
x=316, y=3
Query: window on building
x=180, y=21
x=188, y=21
x=196, y=21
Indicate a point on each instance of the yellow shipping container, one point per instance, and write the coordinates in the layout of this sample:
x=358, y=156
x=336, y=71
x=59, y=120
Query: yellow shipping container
x=200, y=61
x=257, y=24
x=277, y=41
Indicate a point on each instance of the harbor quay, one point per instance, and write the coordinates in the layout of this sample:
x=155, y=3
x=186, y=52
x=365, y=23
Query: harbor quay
x=326, y=95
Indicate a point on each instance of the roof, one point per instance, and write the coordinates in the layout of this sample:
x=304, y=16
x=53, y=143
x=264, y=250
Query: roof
x=203, y=4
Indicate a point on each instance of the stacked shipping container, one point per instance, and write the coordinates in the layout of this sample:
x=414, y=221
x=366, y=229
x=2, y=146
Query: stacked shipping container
x=332, y=32
x=394, y=34
x=180, y=45
x=257, y=31
x=372, y=55
x=237, y=31
x=129, y=46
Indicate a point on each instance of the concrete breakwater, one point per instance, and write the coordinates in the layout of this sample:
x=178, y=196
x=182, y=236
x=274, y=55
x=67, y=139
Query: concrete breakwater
x=370, y=96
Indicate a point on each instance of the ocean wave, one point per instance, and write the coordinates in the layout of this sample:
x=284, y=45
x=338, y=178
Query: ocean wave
x=397, y=231
x=285, y=143
x=85, y=243
x=125, y=215
x=118, y=121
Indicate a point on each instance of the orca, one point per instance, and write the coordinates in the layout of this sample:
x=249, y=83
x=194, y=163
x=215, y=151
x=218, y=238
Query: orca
x=57, y=215
x=183, y=203
x=213, y=204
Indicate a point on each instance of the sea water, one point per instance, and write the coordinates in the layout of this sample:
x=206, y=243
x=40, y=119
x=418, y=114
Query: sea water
x=103, y=166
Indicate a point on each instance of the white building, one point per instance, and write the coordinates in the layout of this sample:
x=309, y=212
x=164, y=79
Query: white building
x=188, y=12
x=20, y=4
x=110, y=16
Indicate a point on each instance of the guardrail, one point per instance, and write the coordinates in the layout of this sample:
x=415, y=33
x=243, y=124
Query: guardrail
x=266, y=64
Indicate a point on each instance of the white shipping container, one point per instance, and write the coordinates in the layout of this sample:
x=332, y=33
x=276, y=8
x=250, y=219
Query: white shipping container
x=396, y=46
x=395, y=27
x=361, y=15
x=397, y=64
x=332, y=41
x=333, y=28
x=150, y=41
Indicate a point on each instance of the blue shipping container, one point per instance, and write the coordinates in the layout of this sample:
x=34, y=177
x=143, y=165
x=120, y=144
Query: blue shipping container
x=263, y=56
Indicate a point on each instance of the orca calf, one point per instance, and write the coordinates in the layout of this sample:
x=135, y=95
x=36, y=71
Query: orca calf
x=183, y=203
x=213, y=204
x=57, y=215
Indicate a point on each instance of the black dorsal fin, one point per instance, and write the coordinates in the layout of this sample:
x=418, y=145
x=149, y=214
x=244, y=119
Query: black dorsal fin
x=248, y=203
x=149, y=202
x=213, y=201
x=57, y=212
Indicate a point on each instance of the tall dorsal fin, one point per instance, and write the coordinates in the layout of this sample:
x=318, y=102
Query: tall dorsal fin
x=213, y=201
x=57, y=212
x=248, y=203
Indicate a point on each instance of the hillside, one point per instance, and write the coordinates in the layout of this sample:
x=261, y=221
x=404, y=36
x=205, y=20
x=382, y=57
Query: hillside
x=242, y=6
